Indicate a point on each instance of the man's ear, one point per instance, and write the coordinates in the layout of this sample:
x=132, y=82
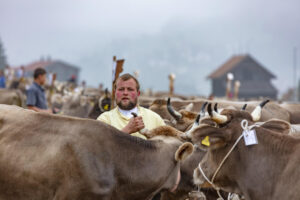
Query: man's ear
x=139, y=93
x=206, y=136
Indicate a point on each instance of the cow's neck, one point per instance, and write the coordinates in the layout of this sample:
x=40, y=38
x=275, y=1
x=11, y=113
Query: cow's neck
x=147, y=165
x=260, y=167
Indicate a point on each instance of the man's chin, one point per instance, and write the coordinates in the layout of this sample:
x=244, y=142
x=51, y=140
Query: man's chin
x=127, y=106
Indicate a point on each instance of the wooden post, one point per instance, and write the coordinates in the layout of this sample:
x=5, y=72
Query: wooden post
x=171, y=84
x=228, y=86
x=117, y=69
x=136, y=74
x=113, y=82
x=51, y=89
x=237, y=85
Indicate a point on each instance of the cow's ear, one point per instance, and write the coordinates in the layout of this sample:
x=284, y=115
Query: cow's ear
x=206, y=136
x=279, y=126
x=184, y=151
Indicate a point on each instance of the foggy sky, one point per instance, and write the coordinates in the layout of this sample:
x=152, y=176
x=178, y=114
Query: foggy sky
x=190, y=38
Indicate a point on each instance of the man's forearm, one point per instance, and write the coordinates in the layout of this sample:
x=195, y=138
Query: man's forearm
x=38, y=109
x=126, y=130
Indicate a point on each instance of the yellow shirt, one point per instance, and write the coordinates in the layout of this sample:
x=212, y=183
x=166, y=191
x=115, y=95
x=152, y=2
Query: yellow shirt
x=119, y=121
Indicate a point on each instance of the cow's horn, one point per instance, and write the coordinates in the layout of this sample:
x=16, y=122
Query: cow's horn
x=256, y=113
x=209, y=110
x=216, y=107
x=262, y=104
x=197, y=121
x=218, y=118
x=244, y=106
x=202, y=112
x=195, y=125
x=173, y=112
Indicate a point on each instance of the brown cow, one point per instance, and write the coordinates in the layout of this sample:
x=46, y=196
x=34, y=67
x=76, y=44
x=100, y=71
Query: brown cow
x=187, y=167
x=186, y=184
x=75, y=105
x=12, y=97
x=265, y=171
x=294, y=110
x=45, y=156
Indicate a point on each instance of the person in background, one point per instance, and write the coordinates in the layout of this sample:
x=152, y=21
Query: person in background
x=72, y=79
x=2, y=79
x=36, y=98
x=20, y=73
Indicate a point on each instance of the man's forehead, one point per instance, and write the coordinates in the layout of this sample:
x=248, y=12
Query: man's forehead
x=127, y=83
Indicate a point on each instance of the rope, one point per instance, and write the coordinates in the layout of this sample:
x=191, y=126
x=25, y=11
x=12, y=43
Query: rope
x=244, y=125
x=224, y=159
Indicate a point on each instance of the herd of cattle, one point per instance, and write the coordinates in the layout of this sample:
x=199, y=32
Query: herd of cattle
x=72, y=156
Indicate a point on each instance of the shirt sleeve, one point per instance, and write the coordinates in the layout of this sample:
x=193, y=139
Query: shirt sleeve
x=104, y=118
x=160, y=121
x=31, y=98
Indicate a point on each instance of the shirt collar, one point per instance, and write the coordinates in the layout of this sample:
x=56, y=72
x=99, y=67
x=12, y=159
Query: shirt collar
x=39, y=86
x=127, y=113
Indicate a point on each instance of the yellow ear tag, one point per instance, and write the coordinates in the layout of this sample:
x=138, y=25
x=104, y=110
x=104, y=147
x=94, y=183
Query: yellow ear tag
x=106, y=107
x=205, y=141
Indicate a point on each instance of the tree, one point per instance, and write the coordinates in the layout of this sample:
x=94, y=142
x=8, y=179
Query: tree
x=3, y=62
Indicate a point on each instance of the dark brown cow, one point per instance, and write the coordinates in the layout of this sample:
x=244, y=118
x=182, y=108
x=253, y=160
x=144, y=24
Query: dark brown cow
x=265, y=171
x=44, y=156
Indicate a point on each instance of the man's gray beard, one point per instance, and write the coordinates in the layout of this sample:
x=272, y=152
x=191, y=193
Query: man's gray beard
x=130, y=106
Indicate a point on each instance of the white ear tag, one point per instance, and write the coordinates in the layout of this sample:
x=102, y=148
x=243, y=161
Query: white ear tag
x=250, y=137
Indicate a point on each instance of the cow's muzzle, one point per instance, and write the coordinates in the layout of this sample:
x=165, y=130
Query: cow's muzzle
x=199, y=180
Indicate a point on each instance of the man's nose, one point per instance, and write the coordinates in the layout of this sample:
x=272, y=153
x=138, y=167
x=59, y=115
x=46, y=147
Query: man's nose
x=125, y=92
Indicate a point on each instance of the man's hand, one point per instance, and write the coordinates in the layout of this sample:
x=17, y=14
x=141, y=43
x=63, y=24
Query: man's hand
x=55, y=110
x=134, y=125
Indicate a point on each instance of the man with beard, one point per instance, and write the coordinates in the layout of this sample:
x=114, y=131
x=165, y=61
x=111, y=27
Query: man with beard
x=127, y=91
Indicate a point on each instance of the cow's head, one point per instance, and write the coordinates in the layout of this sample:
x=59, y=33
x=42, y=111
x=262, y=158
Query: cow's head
x=184, y=119
x=219, y=141
x=180, y=119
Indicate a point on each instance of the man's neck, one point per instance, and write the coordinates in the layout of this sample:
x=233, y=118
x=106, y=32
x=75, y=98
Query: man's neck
x=127, y=113
x=37, y=82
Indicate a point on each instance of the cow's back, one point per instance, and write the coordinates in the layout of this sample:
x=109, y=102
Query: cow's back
x=44, y=156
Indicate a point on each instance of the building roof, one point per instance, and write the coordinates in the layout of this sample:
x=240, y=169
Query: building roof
x=232, y=63
x=43, y=64
x=34, y=65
